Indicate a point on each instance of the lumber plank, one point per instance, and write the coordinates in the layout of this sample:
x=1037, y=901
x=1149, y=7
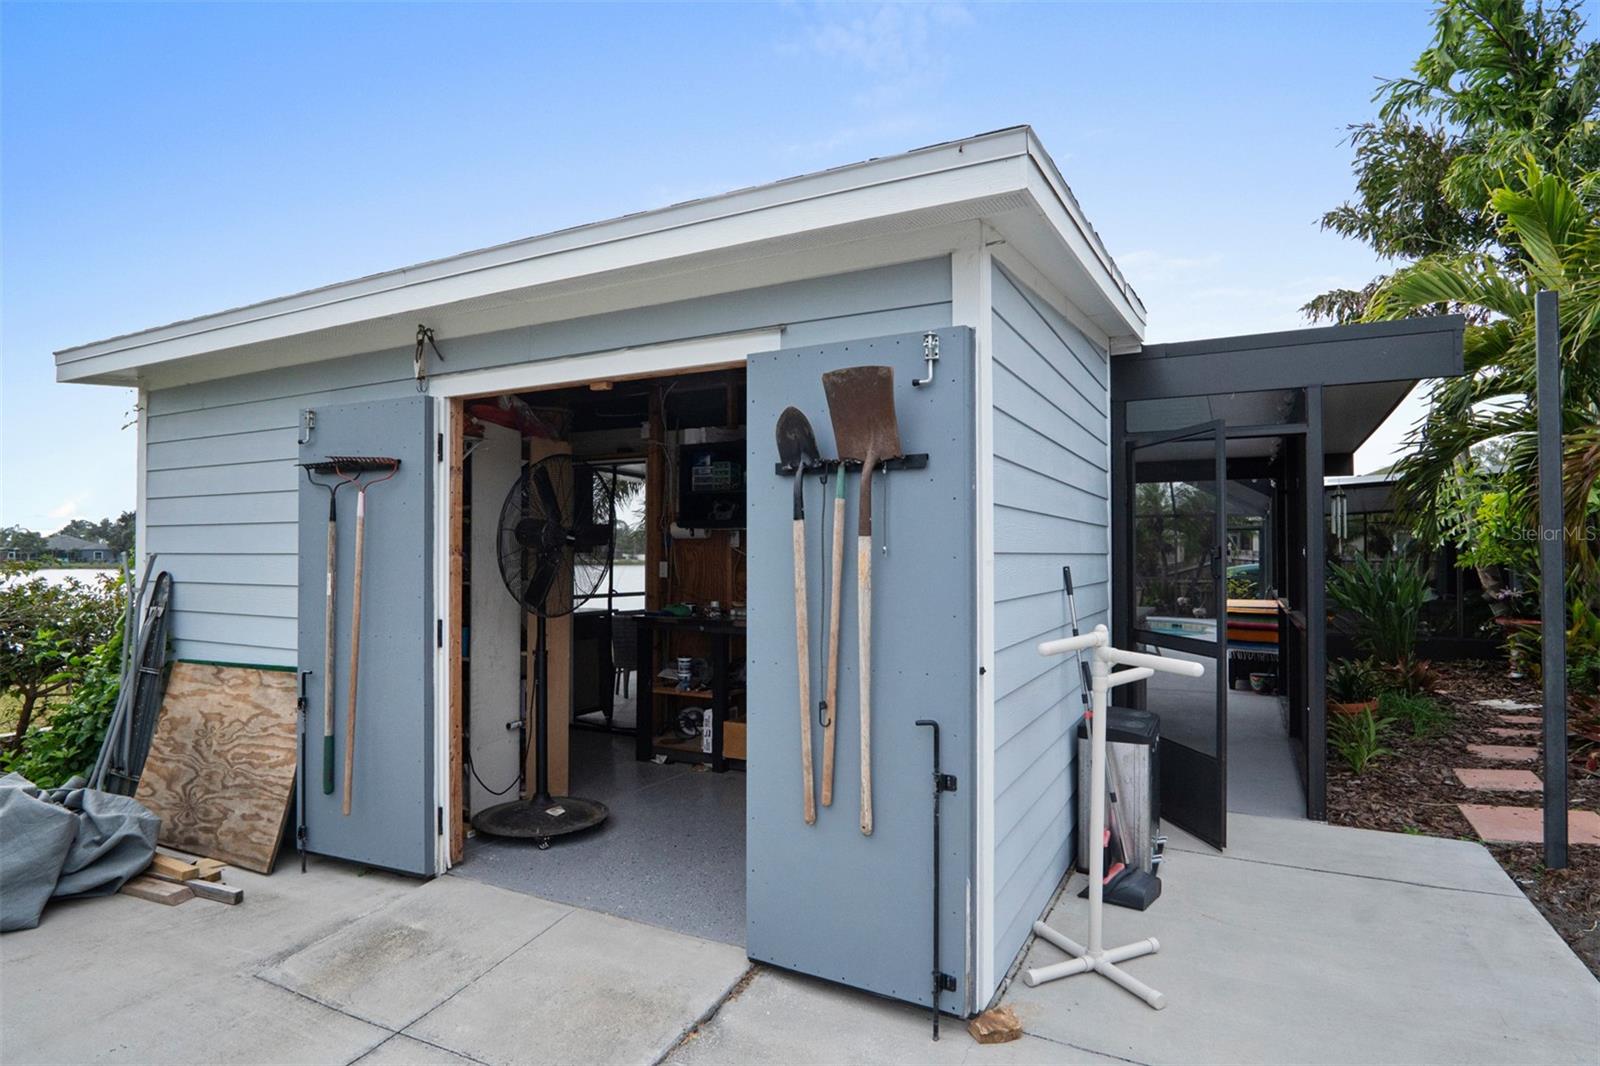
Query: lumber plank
x=215, y=891
x=171, y=868
x=157, y=891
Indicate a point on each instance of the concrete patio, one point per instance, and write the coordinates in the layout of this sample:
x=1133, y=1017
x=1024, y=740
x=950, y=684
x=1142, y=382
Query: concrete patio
x=1304, y=943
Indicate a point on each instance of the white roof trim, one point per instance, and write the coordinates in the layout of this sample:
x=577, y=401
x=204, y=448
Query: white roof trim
x=831, y=202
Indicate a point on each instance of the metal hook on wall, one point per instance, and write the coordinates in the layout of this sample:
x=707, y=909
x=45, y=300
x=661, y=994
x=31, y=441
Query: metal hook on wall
x=930, y=354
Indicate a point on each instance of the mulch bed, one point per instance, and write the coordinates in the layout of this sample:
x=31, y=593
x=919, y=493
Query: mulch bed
x=1415, y=791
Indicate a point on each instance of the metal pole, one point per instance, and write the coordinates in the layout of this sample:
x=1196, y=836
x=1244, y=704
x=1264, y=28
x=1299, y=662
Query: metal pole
x=1552, y=581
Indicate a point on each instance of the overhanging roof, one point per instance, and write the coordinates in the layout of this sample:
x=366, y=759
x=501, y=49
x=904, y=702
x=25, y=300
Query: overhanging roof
x=1368, y=352
x=1004, y=177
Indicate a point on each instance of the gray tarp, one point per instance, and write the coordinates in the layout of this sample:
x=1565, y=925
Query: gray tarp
x=65, y=843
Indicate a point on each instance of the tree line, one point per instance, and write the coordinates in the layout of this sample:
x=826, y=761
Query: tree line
x=116, y=533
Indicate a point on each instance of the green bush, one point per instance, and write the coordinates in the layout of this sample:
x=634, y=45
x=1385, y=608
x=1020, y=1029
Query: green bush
x=1423, y=715
x=1387, y=599
x=50, y=755
x=1358, y=738
x=1353, y=681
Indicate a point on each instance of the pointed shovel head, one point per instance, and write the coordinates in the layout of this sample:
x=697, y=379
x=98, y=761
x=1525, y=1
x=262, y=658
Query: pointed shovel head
x=797, y=448
x=865, y=429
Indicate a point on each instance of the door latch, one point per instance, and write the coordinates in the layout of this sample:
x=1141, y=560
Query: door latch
x=930, y=355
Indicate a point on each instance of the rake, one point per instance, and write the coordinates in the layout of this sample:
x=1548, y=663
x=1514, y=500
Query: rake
x=343, y=470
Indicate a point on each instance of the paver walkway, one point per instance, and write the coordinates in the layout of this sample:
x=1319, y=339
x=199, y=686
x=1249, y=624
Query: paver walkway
x=1500, y=780
x=1504, y=752
x=1525, y=825
x=1500, y=824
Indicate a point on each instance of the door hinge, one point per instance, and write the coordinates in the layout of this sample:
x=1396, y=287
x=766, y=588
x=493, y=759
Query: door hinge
x=440, y=812
x=300, y=701
x=438, y=632
x=944, y=782
x=441, y=447
x=946, y=981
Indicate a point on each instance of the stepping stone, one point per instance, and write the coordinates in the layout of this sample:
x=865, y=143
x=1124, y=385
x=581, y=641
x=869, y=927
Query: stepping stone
x=1507, y=705
x=1501, y=780
x=1504, y=752
x=1516, y=734
x=1521, y=719
x=1525, y=825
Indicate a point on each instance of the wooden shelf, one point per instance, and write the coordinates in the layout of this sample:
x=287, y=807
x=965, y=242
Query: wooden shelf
x=689, y=694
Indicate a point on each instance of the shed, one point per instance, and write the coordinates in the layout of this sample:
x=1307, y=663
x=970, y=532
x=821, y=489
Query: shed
x=649, y=347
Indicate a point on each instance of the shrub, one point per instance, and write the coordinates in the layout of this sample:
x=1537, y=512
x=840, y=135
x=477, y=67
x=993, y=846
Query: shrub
x=46, y=631
x=1387, y=599
x=1358, y=739
x=1353, y=681
x=1424, y=715
x=49, y=756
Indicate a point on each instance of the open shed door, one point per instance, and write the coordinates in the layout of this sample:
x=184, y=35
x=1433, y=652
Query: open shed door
x=824, y=899
x=393, y=820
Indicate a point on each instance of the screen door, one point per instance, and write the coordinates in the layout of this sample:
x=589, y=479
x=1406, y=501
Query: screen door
x=1179, y=553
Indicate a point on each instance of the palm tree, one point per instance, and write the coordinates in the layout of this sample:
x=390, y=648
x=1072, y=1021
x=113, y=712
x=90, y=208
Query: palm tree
x=1551, y=226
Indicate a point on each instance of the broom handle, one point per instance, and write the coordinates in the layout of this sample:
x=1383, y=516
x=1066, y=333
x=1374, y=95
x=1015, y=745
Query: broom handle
x=831, y=695
x=328, y=655
x=864, y=633
x=355, y=648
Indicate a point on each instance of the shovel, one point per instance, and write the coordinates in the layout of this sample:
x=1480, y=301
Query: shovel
x=797, y=448
x=861, y=403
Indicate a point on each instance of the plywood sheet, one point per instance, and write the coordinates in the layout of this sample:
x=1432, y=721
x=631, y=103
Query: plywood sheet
x=221, y=767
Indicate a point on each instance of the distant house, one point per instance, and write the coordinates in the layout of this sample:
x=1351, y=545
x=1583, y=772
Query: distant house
x=67, y=549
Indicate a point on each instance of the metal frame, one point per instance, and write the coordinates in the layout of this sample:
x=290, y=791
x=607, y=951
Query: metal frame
x=1314, y=734
x=1217, y=649
x=1335, y=355
x=1552, y=579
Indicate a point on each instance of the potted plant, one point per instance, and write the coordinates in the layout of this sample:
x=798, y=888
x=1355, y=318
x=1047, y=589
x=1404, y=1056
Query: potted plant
x=1353, y=686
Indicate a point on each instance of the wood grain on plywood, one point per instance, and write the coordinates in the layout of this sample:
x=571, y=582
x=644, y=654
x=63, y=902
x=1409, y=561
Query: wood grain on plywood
x=222, y=764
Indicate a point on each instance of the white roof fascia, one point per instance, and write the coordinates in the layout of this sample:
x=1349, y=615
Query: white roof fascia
x=833, y=201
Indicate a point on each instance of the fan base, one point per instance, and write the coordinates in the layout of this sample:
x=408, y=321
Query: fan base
x=532, y=819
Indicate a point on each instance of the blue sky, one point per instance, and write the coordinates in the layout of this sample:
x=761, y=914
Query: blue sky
x=158, y=162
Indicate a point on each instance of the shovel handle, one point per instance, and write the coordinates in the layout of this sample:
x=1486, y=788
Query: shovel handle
x=830, y=696
x=864, y=644
x=802, y=642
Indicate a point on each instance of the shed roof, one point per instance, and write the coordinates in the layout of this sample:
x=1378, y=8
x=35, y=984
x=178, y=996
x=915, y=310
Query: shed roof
x=1004, y=177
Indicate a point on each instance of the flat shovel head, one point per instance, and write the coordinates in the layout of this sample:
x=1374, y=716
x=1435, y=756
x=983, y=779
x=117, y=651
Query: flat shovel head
x=861, y=403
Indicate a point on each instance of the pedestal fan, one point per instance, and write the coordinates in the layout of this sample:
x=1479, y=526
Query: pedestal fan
x=555, y=548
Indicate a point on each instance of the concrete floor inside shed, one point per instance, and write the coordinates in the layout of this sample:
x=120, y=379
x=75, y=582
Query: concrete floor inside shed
x=671, y=854
x=1304, y=943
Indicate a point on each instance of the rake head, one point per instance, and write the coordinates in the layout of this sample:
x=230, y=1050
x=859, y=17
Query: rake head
x=352, y=464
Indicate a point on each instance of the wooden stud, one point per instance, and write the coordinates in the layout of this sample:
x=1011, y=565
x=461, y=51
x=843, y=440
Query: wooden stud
x=457, y=481
x=158, y=891
x=220, y=893
x=170, y=868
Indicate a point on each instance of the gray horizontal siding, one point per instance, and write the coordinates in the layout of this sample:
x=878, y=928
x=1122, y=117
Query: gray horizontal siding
x=1051, y=509
x=221, y=506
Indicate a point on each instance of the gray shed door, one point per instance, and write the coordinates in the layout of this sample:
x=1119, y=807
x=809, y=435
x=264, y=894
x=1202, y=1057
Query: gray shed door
x=823, y=899
x=393, y=818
